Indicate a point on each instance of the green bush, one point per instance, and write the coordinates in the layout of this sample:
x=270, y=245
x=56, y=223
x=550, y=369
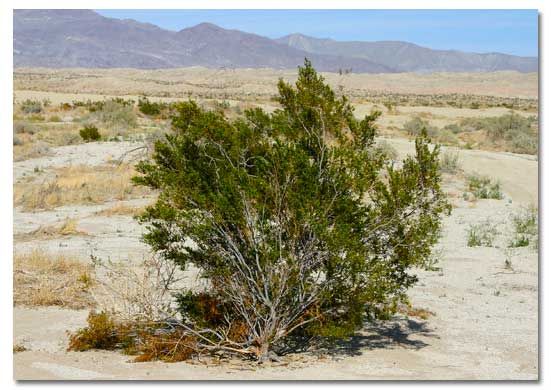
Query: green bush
x=484, y=187
x=112, y=114
x=299, y=225
x=518, y=133
x=525, y=227
x=31, y=106
x=416, y=125
x=90, y=133
x=149, y=108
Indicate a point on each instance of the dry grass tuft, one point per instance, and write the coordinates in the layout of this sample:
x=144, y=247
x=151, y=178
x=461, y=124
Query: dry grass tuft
x=79, y=185
x=41, y=279
x=149, y=341
x=418, y=312
x=121, y=209
x=19, y=348
x=68, y=228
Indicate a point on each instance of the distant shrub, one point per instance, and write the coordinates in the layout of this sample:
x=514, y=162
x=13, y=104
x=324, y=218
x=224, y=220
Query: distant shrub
x=482, y=234
x=55, y=118
x=414, y=127
x=447, y=137
x=114, y=113
x=31, y=106
x=90, y=133
x=519, y=134
x=454, y=128
x=149, y=108
x=484, y=187
x=24, y=128
x=449, y=162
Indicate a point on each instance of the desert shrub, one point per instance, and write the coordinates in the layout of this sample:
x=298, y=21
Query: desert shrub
x=482, y=234
x=147, y=341
x=101, y=333
x=484, y=187
x=29, y=106
x=518, y=133
x=90, y=133
x=24, y=150
x=416, y=125
x=447, y=137
x=454, y=128
x=449, y=162
x=149, y=108
x=297, y=224
x=55, y=118
x=116, y=114
x=525, y=227
x=25, y=128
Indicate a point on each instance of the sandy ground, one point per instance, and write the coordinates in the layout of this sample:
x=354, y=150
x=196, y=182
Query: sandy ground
x=249, y=83
x=485, y=322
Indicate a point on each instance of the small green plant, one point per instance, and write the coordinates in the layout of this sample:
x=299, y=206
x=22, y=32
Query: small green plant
x=90, y=133
x=482, y=234
x=484, y=187
x=525, y=227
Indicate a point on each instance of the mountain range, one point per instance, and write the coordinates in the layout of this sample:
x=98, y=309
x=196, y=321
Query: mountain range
x=83, y=38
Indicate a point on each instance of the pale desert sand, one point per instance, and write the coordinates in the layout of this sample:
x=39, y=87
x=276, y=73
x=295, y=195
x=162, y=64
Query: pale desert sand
x=485, y=322
x=254, y=83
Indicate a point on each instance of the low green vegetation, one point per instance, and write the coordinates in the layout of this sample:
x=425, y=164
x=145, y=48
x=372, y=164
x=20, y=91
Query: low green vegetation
x=516, y=133
x=482, y=234
x=483, y=187
x=90, y=133
x=525, y=228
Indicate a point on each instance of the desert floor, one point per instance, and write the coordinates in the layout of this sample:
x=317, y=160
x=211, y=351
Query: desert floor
x=480, y=303
x=484, y=326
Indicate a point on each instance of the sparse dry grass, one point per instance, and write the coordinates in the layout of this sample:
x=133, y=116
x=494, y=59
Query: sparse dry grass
x=418, y=312
x=43, y=279
x=69, y=227
x=121, y=209
x=79, y=185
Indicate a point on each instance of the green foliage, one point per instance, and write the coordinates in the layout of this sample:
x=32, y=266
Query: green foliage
x=29, y=106
x=151, y=108
x=296, y=219
x=115, y=113
x=517, y=132
x=417, y=125
x=482, y=234
x=525, y=226
x=484, y=187
x=90, y=133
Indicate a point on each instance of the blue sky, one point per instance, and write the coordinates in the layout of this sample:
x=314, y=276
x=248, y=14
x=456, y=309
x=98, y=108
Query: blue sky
x=505, y=31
